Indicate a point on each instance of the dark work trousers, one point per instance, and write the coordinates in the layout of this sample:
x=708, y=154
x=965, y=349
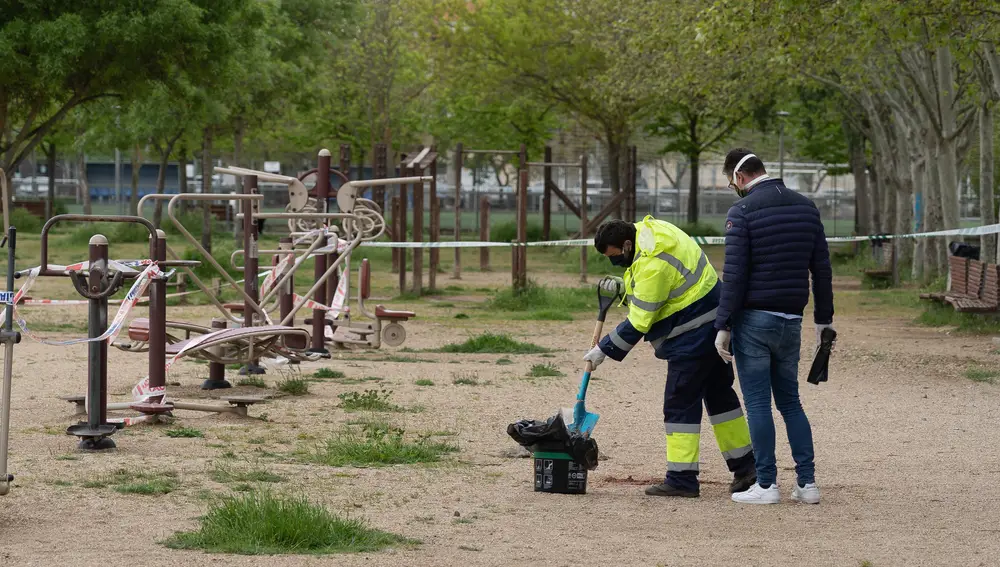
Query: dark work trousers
x=691, y=382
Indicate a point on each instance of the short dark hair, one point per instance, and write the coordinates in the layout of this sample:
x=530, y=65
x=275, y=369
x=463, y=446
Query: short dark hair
x=613, y=233
x=752, y=166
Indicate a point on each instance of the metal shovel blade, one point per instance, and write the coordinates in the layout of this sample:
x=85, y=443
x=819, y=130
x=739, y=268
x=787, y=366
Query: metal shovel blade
x=584, y=422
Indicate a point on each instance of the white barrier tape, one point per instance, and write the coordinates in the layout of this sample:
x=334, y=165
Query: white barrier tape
x=706, y=240
x=113, y=330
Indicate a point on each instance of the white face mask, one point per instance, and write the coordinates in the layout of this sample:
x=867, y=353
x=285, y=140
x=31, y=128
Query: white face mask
x=746, y=189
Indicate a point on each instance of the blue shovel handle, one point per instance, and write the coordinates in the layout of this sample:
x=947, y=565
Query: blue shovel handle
x=582, y=394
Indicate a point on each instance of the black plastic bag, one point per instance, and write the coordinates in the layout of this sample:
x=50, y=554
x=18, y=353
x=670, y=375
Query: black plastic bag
x=962, y=250
x=552, y=435
x=820, y=368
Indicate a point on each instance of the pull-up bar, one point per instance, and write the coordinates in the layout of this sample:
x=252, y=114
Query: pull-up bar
x=557, y=164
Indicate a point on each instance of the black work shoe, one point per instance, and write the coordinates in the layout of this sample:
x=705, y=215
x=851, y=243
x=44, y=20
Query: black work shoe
x=667, y=490
x=743, y=483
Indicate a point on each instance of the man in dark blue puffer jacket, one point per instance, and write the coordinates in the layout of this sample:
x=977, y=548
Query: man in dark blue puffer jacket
x=774, y=240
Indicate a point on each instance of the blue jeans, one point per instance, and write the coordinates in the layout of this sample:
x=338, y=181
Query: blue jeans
x=766, y=348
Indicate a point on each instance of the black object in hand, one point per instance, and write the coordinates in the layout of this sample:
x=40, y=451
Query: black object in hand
x=820, y=368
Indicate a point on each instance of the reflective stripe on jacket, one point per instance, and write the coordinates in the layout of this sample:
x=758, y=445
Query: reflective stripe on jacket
x=671, y=291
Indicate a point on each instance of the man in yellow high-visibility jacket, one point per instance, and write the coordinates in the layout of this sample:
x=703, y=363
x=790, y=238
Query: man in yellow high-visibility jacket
x=673, y=293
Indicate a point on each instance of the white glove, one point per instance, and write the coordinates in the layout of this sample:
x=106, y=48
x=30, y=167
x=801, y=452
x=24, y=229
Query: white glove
x=613, y=286
x=819, y=334
x=722, y=345
x=595, y=357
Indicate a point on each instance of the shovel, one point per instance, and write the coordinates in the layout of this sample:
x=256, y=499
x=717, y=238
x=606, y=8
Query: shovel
x=608, y=291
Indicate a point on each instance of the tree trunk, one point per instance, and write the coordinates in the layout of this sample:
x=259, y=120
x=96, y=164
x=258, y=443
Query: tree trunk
x=206, y=188
x=133, y=202
x=856, y=160
x=987, y=242
x=920, y=246
x=874, y=196
x=936, y=259
x=50, y=202
x=81, y=175
x=947, y=149
x=238, y=143
x=693, y=205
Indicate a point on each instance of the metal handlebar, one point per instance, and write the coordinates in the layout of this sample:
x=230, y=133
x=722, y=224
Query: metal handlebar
x=44, y=264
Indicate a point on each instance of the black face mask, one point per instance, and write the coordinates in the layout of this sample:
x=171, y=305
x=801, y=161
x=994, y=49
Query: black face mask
x=623, y=260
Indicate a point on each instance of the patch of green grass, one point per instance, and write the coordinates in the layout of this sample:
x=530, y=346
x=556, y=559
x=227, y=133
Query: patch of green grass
x=544, y=370
x=369, y=400
x=461, y=316
x=377, y=444
x=494, y=344
x=423, y=382
x=543, y=315
x=183, y=432
x=294, y=386
x=61, y=483
x=504, y=362
x=268, y=524
x=465, y=378
x=937, y=315
x=443, y=304
x=981, y=375
x=254, y=381
x=128, y=481
x=228, y=473
x=535, y=297
x=67, y=458
x=328, y=373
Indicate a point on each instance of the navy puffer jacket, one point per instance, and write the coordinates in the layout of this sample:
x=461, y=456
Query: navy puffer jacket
x=774, y=239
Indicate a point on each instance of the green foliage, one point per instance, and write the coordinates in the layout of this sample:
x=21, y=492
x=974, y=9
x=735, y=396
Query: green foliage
x=128, y=481
x=328, y=373
x=507, y=231
x=222, y=249
x=226, y=473
x=25, y=222
x=423, y=382
x=553, y=302
x=294, y=386
x=369, y=400
x=937, y=315
x=493, y=344
x=544, y=370
x=377, y=444
x=252, y=381
x=504, y=362
x=981, y=375
x=183, y=432
x=266, y=523
x=465, y=378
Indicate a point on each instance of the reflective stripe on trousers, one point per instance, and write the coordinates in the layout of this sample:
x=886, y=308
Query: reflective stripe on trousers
x=690, y=279
x=731, y=433
x=683, y=445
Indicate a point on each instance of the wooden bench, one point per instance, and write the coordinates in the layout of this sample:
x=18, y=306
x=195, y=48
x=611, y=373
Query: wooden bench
x=983, y=293
x=958, y=278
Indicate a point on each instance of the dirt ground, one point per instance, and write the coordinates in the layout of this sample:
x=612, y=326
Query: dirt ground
x=905, y=450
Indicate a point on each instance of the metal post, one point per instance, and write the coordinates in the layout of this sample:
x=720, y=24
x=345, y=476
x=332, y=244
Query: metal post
x=484, y=233
x=547, y=195
x=457, y=271
x=401, y=226
x=522, y=219
x=322, y=194
x=781, y=142
x=216, y=370
x=118, y=179
x=345, y=168
x=94, y=435
x=158, y=320
x=285, y=298
x=251, y=265
x=418, y=231
x=583, y=218
x=435, y=253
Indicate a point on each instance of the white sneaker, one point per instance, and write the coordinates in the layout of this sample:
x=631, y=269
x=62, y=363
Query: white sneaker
x=758, y=495
x=808, y=494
